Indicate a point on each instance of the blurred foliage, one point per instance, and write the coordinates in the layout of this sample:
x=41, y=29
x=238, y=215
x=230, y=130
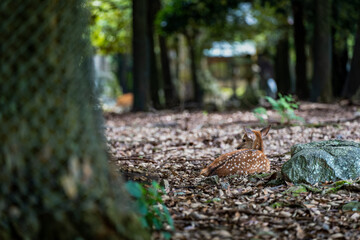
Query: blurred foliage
x=202, y=22
x=111, y=25
x=107, y=85
x=345, y=15
x=285, y=107
x=233, y=20
x=154, y=215
x=186, y=16
x=261, y=114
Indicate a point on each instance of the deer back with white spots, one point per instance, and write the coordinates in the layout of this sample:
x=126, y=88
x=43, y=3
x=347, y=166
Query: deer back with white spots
x=248, y=159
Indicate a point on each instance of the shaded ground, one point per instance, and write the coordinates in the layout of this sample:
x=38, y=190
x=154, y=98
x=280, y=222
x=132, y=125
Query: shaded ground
x=172, y=148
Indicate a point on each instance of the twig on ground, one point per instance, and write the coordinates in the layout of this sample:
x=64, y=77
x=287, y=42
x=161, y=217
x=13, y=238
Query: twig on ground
x=248, y=212
x=134, y=159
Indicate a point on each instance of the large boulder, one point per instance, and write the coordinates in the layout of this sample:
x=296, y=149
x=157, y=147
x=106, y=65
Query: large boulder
x=318, y=162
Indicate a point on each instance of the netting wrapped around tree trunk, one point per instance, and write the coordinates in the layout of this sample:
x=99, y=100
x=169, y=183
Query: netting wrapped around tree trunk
x=55, y=182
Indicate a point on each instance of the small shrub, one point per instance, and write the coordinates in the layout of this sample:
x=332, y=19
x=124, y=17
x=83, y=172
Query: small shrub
x=285, y=106
x=261, y=114
x=154, y=215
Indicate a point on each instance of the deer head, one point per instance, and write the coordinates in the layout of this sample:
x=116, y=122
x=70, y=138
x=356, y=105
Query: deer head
x=253, y=139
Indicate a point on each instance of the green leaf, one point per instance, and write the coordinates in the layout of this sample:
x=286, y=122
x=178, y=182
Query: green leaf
x=157, y=224
x=168, y=217
x=134, y=188
x=150, y=205
x=166, y=235
x=144, y=223
x=142, y=207
x=285, y=106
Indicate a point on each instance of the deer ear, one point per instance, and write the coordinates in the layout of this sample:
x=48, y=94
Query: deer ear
x=265, y=131
x=248, y=132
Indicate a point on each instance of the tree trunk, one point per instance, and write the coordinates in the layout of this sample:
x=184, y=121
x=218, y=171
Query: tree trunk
x=339, y=61
x=54, y=173
x=339, y=55
x=194, y=66
x=282, y=68
x=177, y=47
x=302, y=90
x=121, y=72
x=141, y=56
x=171, y=96
x=321, y=86
x=152, y=9
x=353, y=81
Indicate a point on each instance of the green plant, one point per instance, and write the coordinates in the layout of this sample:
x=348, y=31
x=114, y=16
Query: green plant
x=154, y=215
x=285, y=107
x=277, y=205
x=261, y=114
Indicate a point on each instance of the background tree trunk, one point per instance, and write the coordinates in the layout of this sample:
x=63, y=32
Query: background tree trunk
x=339, y=61
x=321, y=86
x=54, y=170
x=339, y=53
x=152, y=9
x=198, y=90
x=141, y=56
x=282, y=68
x=302, y=90
x=122, y=72
x=353, y=81
x=171, y=95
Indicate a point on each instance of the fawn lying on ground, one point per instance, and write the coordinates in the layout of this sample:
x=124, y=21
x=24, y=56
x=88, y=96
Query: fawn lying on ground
x=250, y=157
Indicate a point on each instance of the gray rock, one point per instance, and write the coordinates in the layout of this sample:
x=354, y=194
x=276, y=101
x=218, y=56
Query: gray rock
x=318, y=162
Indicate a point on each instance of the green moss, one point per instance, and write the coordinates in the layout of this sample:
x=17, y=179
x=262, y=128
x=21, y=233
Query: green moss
x=341, y=183
x=296, y=190
x=337, y=186
x=277, y=205
x=261, y=175
x=213, y=200
x=312, y=188
x=351, y=206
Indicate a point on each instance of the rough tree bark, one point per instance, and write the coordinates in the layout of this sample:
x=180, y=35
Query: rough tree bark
x=302, y=90
x=141, y=56
x=55, y=179
x=321, y=85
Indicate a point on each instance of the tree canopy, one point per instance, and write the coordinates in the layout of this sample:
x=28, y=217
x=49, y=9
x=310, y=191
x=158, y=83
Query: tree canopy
x=111, y=25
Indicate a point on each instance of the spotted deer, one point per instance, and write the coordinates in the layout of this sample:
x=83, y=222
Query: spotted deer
x=248, y=159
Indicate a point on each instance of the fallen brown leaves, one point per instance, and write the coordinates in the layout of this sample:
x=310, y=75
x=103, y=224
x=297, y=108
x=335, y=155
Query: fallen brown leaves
x=172, y=148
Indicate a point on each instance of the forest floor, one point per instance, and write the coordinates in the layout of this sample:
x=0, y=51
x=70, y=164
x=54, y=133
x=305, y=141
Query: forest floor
x=172, y=148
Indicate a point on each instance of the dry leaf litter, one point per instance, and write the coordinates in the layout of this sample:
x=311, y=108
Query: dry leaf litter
x=172, y=148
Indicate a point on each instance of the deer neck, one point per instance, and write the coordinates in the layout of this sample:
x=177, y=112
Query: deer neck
x=258, y=143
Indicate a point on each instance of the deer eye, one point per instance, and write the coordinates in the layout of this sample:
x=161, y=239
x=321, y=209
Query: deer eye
x=244, y=140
